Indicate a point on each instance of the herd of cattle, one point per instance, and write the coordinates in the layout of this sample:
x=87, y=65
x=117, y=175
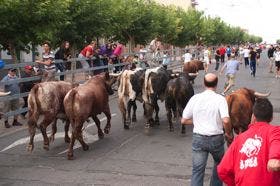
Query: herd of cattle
x=75, y=104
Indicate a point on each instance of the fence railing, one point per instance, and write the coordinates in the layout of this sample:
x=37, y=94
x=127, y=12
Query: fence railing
x=175, y=62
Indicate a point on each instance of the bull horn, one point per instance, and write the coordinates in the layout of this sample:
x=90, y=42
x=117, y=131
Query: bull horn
x=115, y=74
x=261, y=95
x=193, y=74
x=4, y=93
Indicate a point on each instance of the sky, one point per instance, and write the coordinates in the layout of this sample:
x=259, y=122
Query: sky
x=259, y=17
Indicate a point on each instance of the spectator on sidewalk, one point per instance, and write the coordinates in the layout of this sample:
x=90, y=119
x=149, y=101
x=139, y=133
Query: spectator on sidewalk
x=105, y=54
x=254, y=156
x=48, y=62
x=64, y=54
x=27, y=85
x=231, y=66
x=11, y=105
x=118, y=50
x=85, y=57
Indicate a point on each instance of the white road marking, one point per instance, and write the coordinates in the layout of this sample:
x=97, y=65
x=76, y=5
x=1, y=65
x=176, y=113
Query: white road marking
x=38, y=137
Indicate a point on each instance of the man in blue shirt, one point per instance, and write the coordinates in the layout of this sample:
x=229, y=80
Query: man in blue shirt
x=231, y=68
x=13, y=104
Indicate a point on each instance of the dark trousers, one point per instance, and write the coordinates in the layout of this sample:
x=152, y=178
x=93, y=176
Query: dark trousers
x=253, y=67
x=61, y=68
x=246, y=59
x=223, y=58
x=25, y=99
x=217, y=63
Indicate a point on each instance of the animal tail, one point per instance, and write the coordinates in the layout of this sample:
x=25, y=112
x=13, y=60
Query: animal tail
x=69, y=104
x=34, y=105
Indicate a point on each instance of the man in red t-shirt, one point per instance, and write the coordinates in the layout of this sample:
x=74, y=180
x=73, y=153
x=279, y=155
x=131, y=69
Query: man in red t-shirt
x=254, y=156
x=222, y=51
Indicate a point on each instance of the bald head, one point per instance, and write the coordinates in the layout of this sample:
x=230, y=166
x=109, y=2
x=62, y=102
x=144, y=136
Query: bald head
x=210, y=80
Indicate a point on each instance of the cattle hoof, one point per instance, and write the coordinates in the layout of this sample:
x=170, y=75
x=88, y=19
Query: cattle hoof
x=183, y=131
x=70, y=157
x=30, y=148
x=67, y=139
x=100, y=135
x=156, y=122
x=171, y=129
x=134, y=119
x=85, y=147
x=106, y=130
x=46, y=147
x=51, y=138
x=126, y=126
x=147, y=131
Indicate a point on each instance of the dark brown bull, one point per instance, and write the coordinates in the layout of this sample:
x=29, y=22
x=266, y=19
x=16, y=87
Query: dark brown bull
x=46, y=99
x=177, y=94
x=240, y=104
x=88, y=100
x=192, y=68
x=130, y=90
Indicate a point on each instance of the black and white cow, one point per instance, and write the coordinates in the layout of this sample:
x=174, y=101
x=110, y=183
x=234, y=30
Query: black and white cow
x=130, y=90
x=155, y=83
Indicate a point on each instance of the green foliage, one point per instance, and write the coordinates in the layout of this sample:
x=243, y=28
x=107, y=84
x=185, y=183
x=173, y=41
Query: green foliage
x=25, y=22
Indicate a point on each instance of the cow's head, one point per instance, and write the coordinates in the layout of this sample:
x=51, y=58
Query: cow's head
x=200, y=65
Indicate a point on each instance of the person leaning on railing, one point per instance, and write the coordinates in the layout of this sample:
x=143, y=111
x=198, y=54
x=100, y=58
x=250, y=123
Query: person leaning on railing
x=11, y=105
x=48, y=62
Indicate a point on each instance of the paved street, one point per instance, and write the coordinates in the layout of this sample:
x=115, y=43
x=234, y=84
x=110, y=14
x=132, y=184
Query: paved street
x=124, y=157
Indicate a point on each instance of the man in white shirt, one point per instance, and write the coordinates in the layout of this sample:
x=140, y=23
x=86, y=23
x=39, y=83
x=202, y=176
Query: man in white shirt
x=277, y=61
x=187, y=56
x=208, y=112
x=246, y=53
x=206, y=58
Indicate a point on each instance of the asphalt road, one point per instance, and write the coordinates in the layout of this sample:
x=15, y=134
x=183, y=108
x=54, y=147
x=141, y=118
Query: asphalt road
x=123, y=157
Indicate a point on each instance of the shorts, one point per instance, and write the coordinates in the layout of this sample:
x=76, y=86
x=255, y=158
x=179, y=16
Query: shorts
x=230, y=80
x=207, y=61
x=10, y=105
x=277, y=64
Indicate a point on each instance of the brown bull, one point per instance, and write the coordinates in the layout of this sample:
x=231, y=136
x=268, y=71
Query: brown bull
x=46, y=99
x=88, y=100
x=192, y=68
x=240, y=104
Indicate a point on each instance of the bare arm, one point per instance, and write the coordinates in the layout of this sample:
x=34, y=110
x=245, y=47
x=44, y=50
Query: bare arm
x=222, y=70
x=47, y=62
x=228, y=130
x=273, y=165
x=185, y=121
x=88, y=54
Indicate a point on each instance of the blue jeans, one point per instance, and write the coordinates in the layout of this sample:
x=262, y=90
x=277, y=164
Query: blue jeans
x=253, y=67
x=201, y=147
